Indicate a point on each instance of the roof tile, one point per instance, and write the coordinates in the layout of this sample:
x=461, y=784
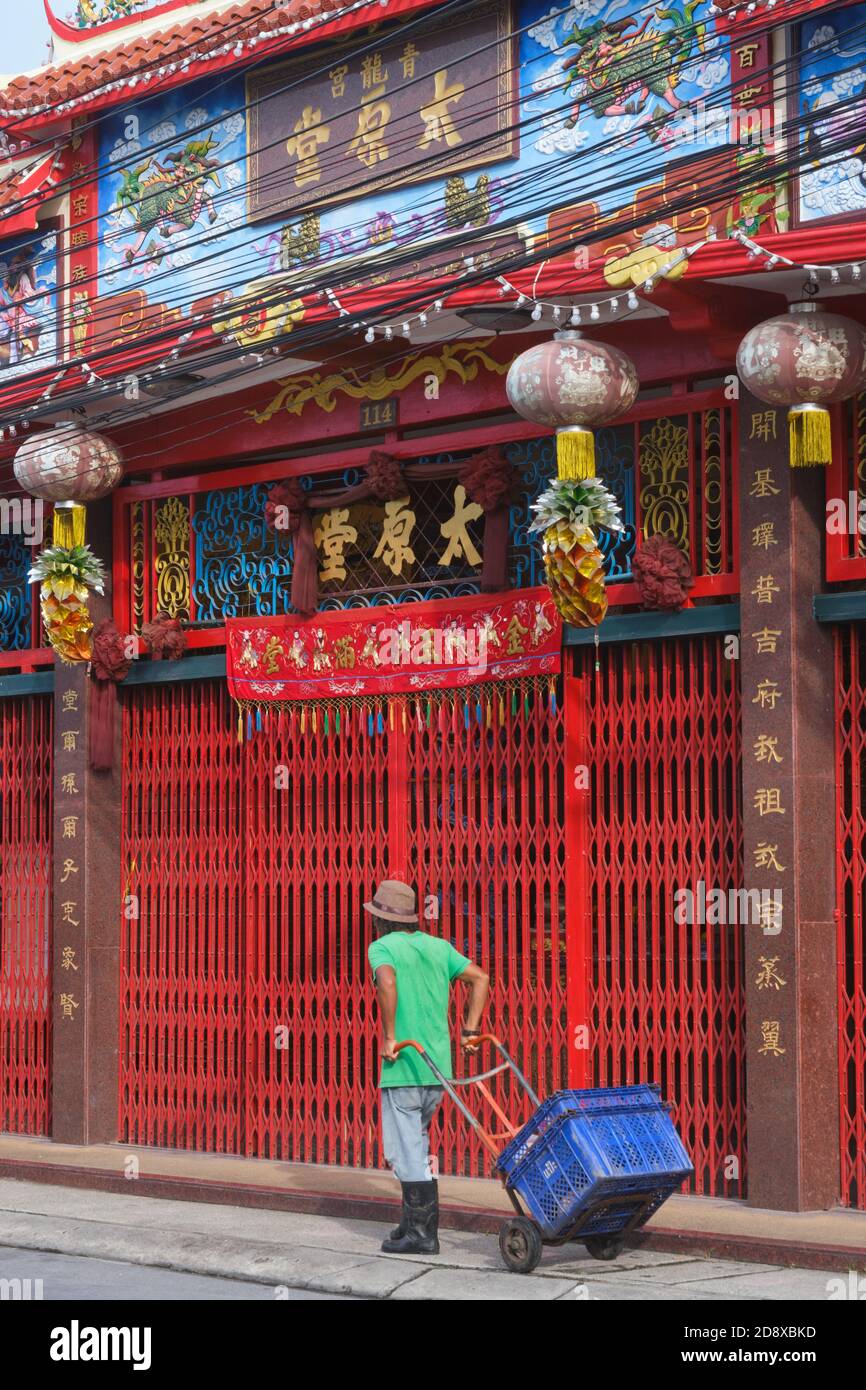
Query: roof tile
x=34, y=93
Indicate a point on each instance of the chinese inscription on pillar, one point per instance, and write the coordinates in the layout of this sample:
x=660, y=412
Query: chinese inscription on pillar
x=69, y=870
x=767, y=724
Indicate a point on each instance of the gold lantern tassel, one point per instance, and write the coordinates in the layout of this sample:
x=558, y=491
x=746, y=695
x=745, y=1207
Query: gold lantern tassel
x=811, y=442
x=69, y=524
x=575, y=452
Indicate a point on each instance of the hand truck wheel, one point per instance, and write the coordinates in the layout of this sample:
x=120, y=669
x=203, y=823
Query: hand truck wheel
x=603, y=1247
x=520, y=1244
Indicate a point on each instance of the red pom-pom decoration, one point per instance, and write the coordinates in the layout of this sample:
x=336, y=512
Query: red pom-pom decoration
x=489, y=479
x=108, y=661
x=164, y=638
x=385, y=477
x=291, y=496
x=662, y=574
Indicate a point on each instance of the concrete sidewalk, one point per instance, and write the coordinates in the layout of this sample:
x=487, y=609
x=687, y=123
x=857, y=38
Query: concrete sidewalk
x=685, y=1225
x=335, y=1255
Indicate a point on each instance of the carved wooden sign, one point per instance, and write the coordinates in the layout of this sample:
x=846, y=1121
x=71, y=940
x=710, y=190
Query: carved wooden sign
x=375, y=120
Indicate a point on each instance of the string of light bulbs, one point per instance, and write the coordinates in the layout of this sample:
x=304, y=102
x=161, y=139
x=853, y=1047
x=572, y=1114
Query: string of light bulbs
x=813, y=269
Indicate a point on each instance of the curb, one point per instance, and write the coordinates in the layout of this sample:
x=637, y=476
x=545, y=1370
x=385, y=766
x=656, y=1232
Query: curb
x=483, y=1221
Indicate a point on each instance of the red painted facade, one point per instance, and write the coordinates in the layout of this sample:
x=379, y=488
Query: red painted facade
x=245, y=1017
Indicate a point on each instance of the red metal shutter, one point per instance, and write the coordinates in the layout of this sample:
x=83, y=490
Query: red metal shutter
x=664, y=751
x=25, y=914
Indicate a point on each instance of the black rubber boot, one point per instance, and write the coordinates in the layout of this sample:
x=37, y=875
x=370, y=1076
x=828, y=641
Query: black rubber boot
x=421, y=1217
x=400, y=1230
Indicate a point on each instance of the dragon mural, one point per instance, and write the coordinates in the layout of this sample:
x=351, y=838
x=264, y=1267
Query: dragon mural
x=626, y=68
x=162, y=199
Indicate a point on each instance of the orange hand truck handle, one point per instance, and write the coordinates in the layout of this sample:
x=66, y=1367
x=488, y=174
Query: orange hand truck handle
x=476, y=1038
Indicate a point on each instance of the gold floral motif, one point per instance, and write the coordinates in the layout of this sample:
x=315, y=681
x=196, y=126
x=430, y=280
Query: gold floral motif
x=663, y=455
x=463, y=360
x=172, y=535
x=713, y=496
x=860, y=456
x=137, y=537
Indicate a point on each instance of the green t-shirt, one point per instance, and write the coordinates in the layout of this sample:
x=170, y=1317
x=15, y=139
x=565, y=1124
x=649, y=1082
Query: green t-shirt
x=425, y=966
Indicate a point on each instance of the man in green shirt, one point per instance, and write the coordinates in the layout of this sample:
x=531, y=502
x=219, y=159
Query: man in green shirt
x=413, y=974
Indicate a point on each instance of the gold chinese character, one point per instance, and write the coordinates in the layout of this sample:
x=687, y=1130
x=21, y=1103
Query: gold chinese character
x=763, y=424
x=407, y=58
x=764, y=536
x=394, y=549
x=372, y=72
x=70, y=827
x=67, y=958
x=68, y=909
x=79, y=239
x=765, y=857
x=344, y=652
x=747, y=95
x=746, y=54
x=70, y=740
x=770, y=915
x=69, y=867
x=768, y=694
x=771, y=1032
x=763, y=485
x=768, y=976
x=304, y=146
x=455, y=532
x=79, y=273
x=332, y=534
x=516, y=635
x=438, y=124
x=765, y=588
x=68, y=1005
x=369, y=142
x=68, y=784
x=766, y=750
x=70, y=700
x=273, y=649
x=79, y=205
x=768, y=801
x=338, y=80
x=765, y=640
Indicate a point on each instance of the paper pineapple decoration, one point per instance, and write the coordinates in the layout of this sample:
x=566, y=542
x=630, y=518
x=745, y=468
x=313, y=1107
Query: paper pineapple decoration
x=67, y=573
x=567, y=514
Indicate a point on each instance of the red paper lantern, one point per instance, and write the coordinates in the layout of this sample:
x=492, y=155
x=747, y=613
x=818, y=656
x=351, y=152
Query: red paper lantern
x=806, y=359
x=68, y=464
x=572, y=384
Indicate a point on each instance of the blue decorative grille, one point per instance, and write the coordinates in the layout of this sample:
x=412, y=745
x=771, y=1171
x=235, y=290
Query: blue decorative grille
x=242, y=566
x=15, y=561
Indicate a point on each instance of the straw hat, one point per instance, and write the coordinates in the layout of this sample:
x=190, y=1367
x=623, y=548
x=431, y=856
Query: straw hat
x=395, y=901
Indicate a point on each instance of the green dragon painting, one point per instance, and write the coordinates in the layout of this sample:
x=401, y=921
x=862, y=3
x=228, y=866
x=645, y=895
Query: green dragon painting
x=625, y=68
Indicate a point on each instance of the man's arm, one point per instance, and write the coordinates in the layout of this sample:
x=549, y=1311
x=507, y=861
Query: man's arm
x=386, y=993
x=479, y=989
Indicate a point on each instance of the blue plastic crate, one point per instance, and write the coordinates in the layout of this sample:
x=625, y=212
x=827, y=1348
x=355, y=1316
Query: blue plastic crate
x=582, y=1150
x=564, y=1102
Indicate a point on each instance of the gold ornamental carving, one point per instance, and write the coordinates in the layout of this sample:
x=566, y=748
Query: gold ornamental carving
x=171, y=532
x=664, y=470
x=462, y=360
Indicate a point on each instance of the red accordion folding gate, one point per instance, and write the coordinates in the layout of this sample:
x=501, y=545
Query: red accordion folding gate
x=662, y=739
x=248, y=1019
x=247, y=1013
x=25, y=914
x=851, y=906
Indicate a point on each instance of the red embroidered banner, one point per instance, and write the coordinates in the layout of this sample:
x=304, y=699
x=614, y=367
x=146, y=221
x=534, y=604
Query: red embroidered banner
x=401, y=649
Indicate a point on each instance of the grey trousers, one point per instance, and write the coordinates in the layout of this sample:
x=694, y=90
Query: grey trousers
x=406, y=1115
